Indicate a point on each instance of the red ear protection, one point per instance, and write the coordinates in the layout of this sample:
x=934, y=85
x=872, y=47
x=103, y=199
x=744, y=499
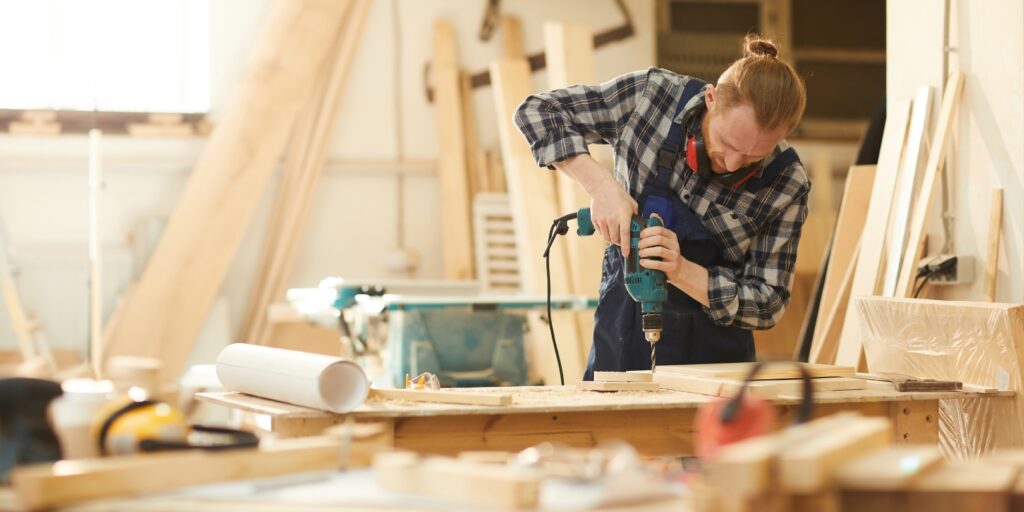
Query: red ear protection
x=697, y=159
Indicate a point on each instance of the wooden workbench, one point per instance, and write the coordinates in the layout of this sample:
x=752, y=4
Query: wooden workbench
x=656, y=423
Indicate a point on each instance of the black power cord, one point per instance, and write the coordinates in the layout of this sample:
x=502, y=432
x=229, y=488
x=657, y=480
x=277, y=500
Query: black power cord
x=559, y=227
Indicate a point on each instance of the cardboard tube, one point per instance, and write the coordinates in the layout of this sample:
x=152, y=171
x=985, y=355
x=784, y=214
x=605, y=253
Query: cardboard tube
x=301, y=378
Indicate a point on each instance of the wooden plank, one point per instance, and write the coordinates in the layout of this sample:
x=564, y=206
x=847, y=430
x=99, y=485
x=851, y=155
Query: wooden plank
x=768, y=372
x=891, y=469
x=569, y=53
x=220, y=198
x=964, y=485
x=452, y=166
x=745, y=468
x=872, y=250
x=443, y=396
x=459, y=481
x=623, y=377
x=995, y=228
x=475, y=178
x=846, y=236
x=511, y=34
x=903, y=200
x=932, y=172
x=807, y=467
x=764, y=388
x=616, y=386
x=306, y=158
x=534, y=206
x=832, y=324
x=71, y=481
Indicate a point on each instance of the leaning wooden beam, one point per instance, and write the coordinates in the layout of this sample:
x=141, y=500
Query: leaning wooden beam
x=872, y=249
x=46, y=486
x=932, y=171
x=452, y=165
x=534, y=207
x=569, y=51
x=304, y=166
x=444, y=396
x=215, y=209
x=995, y=228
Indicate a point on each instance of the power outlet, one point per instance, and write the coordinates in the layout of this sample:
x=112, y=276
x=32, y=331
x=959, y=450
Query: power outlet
x=960, y=272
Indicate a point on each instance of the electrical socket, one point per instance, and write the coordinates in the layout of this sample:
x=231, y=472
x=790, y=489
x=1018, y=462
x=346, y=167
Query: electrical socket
x=961, y=272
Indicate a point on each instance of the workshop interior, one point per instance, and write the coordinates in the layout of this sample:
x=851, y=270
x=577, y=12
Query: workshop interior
x=629, y=255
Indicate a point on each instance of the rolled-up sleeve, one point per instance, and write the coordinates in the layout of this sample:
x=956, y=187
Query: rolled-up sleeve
x=559, y=124
x=755, y=296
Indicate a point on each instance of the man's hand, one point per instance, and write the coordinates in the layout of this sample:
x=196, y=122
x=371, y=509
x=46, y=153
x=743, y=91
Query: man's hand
x=611, y=208
x=661, y=242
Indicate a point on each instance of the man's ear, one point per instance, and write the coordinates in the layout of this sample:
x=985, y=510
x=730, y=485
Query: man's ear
x=709, y=96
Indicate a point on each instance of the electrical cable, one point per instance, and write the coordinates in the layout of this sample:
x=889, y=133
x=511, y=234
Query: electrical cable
x=559, y=227
x=925, y=277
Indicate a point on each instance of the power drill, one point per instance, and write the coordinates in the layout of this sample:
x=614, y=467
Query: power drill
x=646, y=286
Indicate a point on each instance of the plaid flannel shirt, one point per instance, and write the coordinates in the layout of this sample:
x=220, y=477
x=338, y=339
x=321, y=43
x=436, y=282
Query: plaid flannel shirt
x=758, y=231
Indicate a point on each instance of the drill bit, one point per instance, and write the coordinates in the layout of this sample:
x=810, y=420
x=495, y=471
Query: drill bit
x=653, y=365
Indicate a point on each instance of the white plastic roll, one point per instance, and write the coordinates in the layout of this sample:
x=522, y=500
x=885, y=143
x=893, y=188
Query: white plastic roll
x=301, y=378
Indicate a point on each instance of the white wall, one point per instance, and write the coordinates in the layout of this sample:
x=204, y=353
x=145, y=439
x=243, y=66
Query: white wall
x=987, y=40
x=43, y=194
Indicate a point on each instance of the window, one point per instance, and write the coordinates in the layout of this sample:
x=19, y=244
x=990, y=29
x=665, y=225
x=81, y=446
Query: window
x=108, y=55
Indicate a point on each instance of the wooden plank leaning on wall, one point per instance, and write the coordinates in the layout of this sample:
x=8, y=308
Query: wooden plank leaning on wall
x=304, y=163
x=872, y=246
x=220, y=198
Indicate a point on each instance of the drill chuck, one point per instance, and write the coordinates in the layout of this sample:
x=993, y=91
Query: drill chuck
x=651, y=323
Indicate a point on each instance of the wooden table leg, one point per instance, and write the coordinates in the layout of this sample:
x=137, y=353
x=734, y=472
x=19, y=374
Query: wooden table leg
x=915, y=421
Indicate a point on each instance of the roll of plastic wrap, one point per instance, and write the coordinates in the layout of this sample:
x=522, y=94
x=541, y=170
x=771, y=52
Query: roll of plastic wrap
x=300, y=378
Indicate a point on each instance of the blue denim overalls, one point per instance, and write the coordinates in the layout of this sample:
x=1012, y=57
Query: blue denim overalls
x=689, y=335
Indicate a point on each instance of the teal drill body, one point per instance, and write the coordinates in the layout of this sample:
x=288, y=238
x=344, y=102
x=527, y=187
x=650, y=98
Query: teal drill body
x=646, y=286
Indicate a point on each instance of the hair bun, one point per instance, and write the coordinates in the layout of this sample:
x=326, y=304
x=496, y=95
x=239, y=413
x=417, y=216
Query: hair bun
x=754, y=45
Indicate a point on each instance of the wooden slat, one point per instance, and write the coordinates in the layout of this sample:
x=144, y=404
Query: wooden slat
x=932, y=172
x=71, y=481
x=533, y=199
x=769, y=372
x=585, y=385
x=872, y=250
x=622, y=377
x=307, y=156
x=995, y=228
x=849, y=226
x=807, y=467
x=511, y=34
x=569, y=53
x=903, y=199
x=217, y=205
x=443, y=396
x=833, y=319
x=452, y=165
x=762, y=388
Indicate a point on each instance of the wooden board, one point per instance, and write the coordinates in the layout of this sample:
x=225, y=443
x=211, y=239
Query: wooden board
x=932, y=171
x=740, y=371
x=891, y=469
x=622, y=377
x=569, y=54
x=617, y=386
x=832, y=323
x=872, y=250
x=215, y=209
x=467, y=483
x=842, y=257
x=903, y=197
x=807, y=467
x=995, y=228
x=303, y=166
x=443, y=396
x=452, y=164
x=65, y=482
x=763, y=388
x=534, y=206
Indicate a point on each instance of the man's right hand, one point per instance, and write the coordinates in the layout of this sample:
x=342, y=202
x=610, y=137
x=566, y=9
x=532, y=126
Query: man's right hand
x=611, y=208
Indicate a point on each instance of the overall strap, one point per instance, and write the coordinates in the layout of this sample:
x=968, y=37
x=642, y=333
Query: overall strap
x=672, y=146
x=778, y=164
